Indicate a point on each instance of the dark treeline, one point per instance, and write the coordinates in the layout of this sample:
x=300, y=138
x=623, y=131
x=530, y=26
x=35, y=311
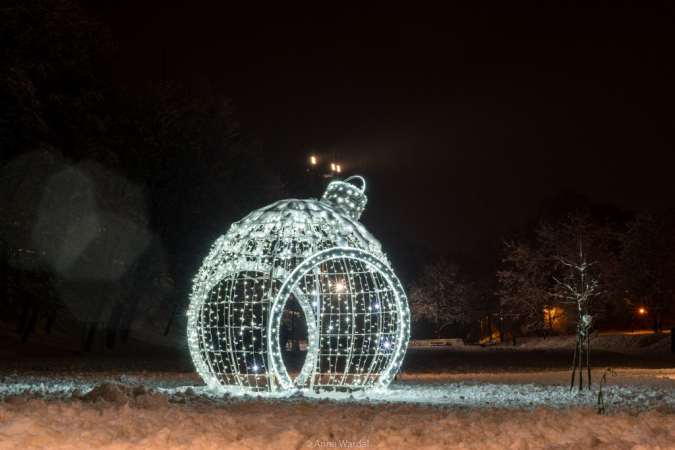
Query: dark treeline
x=517, y=287
x=109, y=196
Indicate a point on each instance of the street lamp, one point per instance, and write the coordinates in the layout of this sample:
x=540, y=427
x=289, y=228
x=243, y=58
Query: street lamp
x=641, y=313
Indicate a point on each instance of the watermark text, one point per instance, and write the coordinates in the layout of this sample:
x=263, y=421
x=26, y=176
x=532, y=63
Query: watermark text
x=340, y=443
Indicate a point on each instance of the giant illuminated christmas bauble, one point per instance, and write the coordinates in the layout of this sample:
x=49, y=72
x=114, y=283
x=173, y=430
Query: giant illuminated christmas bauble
x=316, y=253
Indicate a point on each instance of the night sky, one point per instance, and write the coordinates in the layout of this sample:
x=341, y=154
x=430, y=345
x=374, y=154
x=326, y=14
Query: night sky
x=462, y=116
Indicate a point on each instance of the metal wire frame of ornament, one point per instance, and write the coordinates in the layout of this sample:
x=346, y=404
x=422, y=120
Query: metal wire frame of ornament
x=227, y=324
x=363, y=327
x=357, y=317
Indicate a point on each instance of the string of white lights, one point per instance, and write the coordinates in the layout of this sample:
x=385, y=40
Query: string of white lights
x=315, y=252
x=378, y=328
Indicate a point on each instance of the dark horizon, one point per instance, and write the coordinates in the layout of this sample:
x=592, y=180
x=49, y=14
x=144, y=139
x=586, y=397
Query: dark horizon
x=462, y=116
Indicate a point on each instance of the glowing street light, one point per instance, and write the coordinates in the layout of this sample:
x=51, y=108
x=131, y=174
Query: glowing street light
x=313, y=160
x=338, y=169
x=639, y=316
x=332, y=167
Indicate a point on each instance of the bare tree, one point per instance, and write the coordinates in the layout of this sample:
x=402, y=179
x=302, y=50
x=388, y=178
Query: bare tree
x=532, y=264
x=439, y=296
x=646, y=271
x=527, y=285
x=578, y=289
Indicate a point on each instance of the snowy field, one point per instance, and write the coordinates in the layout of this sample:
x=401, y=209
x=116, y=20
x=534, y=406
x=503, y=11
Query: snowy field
x=511, y=398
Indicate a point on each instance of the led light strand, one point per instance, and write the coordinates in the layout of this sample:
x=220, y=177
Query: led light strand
x=356, y=311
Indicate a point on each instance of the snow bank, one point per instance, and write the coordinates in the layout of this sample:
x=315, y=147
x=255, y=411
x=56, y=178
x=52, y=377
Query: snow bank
x=512, y=411
x=261, y=423
x=458, y=398
x=616, y=341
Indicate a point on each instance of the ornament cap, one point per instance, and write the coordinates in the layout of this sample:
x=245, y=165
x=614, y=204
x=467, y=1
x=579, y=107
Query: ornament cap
x=347, y=197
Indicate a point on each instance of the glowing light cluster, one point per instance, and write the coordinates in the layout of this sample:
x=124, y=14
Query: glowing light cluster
x=318, y=254
x=347, y=197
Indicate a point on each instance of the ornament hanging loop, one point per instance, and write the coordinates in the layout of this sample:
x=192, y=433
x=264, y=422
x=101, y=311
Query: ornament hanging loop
x=363, y=182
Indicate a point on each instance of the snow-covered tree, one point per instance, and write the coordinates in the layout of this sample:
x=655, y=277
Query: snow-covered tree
x=532, y=264
x=526, y=285
x=439, y=296
x=578, y=289
x=646, y=271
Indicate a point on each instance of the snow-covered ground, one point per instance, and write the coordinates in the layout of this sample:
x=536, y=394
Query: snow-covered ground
x=514, y=399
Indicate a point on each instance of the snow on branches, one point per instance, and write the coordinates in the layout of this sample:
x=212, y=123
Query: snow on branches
x=439, y=296
x=578, y=288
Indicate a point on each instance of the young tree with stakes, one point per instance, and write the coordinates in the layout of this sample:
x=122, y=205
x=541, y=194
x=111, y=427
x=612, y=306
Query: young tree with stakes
x=578, y=288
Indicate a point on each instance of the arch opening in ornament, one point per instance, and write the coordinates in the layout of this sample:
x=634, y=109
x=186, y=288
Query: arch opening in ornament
x=357, y=317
